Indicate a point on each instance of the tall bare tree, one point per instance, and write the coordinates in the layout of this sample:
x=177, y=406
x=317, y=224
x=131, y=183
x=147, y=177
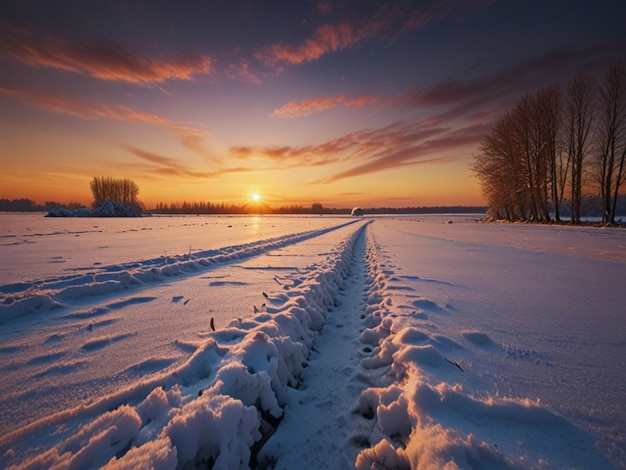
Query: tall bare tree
x=500, y=171
x=579, y=115
x=611, y=146
x=548, y=113
x=113, y=189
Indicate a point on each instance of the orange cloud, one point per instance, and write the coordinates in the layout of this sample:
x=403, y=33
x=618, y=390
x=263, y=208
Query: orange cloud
x=326, y=38
x=304, y=108
x=307, y=107
x=103, y=59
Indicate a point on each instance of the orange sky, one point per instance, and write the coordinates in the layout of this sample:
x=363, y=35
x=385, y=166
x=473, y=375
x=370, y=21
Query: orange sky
x=343, y=104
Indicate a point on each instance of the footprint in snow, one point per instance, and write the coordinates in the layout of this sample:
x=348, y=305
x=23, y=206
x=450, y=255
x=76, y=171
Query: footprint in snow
x=479, y=339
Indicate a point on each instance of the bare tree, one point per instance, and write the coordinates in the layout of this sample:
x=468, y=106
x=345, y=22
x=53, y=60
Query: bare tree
x=501, y=169
x=611, y=145
x=548, y=113
x=112, y=189
x=579, y=117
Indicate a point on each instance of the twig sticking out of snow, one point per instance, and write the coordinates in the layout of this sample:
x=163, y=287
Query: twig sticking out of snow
x=454, y=364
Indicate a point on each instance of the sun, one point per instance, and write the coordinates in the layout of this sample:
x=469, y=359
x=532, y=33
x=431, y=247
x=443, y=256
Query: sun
x=256, y=197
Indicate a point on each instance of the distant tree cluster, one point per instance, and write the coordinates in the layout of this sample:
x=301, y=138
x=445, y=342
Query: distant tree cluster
x=122, y=190
x=553, y=144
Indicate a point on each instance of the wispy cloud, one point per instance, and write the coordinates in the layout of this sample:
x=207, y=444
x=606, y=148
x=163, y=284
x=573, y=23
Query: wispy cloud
x=314, y=105
x=408, y=144
x=101, y=58
x=241, y=69
x=190, y=136
x=504, y=87
x=166, y=166
x=384, y=23
x=373, y=150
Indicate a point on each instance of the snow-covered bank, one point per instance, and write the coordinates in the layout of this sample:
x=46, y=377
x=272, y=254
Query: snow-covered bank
x=398, y=342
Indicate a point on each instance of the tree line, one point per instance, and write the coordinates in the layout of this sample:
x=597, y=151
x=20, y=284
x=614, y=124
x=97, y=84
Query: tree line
x=554, y=144
x=203, y=207
x=28, y=205
x=315, y=208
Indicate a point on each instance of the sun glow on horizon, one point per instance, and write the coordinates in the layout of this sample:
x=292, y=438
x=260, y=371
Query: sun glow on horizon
x=256, y=197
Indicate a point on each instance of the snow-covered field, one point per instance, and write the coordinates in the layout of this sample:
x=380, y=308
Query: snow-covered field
x=387, y=342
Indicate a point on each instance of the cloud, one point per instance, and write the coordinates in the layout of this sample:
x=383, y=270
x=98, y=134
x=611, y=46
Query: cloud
x=283, y=157
x=314, y=105
x=101, y=58
x=383, y=23
x=372, y=150
x=503, y=87
x=190, y=136
x=411, y=149
x=396, y=159
x=166, y=166
x=241, y=69
x=325, y=39
x=417, y=153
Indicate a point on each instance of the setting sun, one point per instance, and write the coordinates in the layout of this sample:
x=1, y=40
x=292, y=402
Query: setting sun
x=256, y=197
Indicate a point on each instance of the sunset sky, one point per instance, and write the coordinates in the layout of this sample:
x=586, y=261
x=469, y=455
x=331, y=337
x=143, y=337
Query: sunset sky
x=347, y=102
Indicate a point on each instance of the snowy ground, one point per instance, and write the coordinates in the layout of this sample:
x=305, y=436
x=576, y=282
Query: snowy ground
x=402, y=342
